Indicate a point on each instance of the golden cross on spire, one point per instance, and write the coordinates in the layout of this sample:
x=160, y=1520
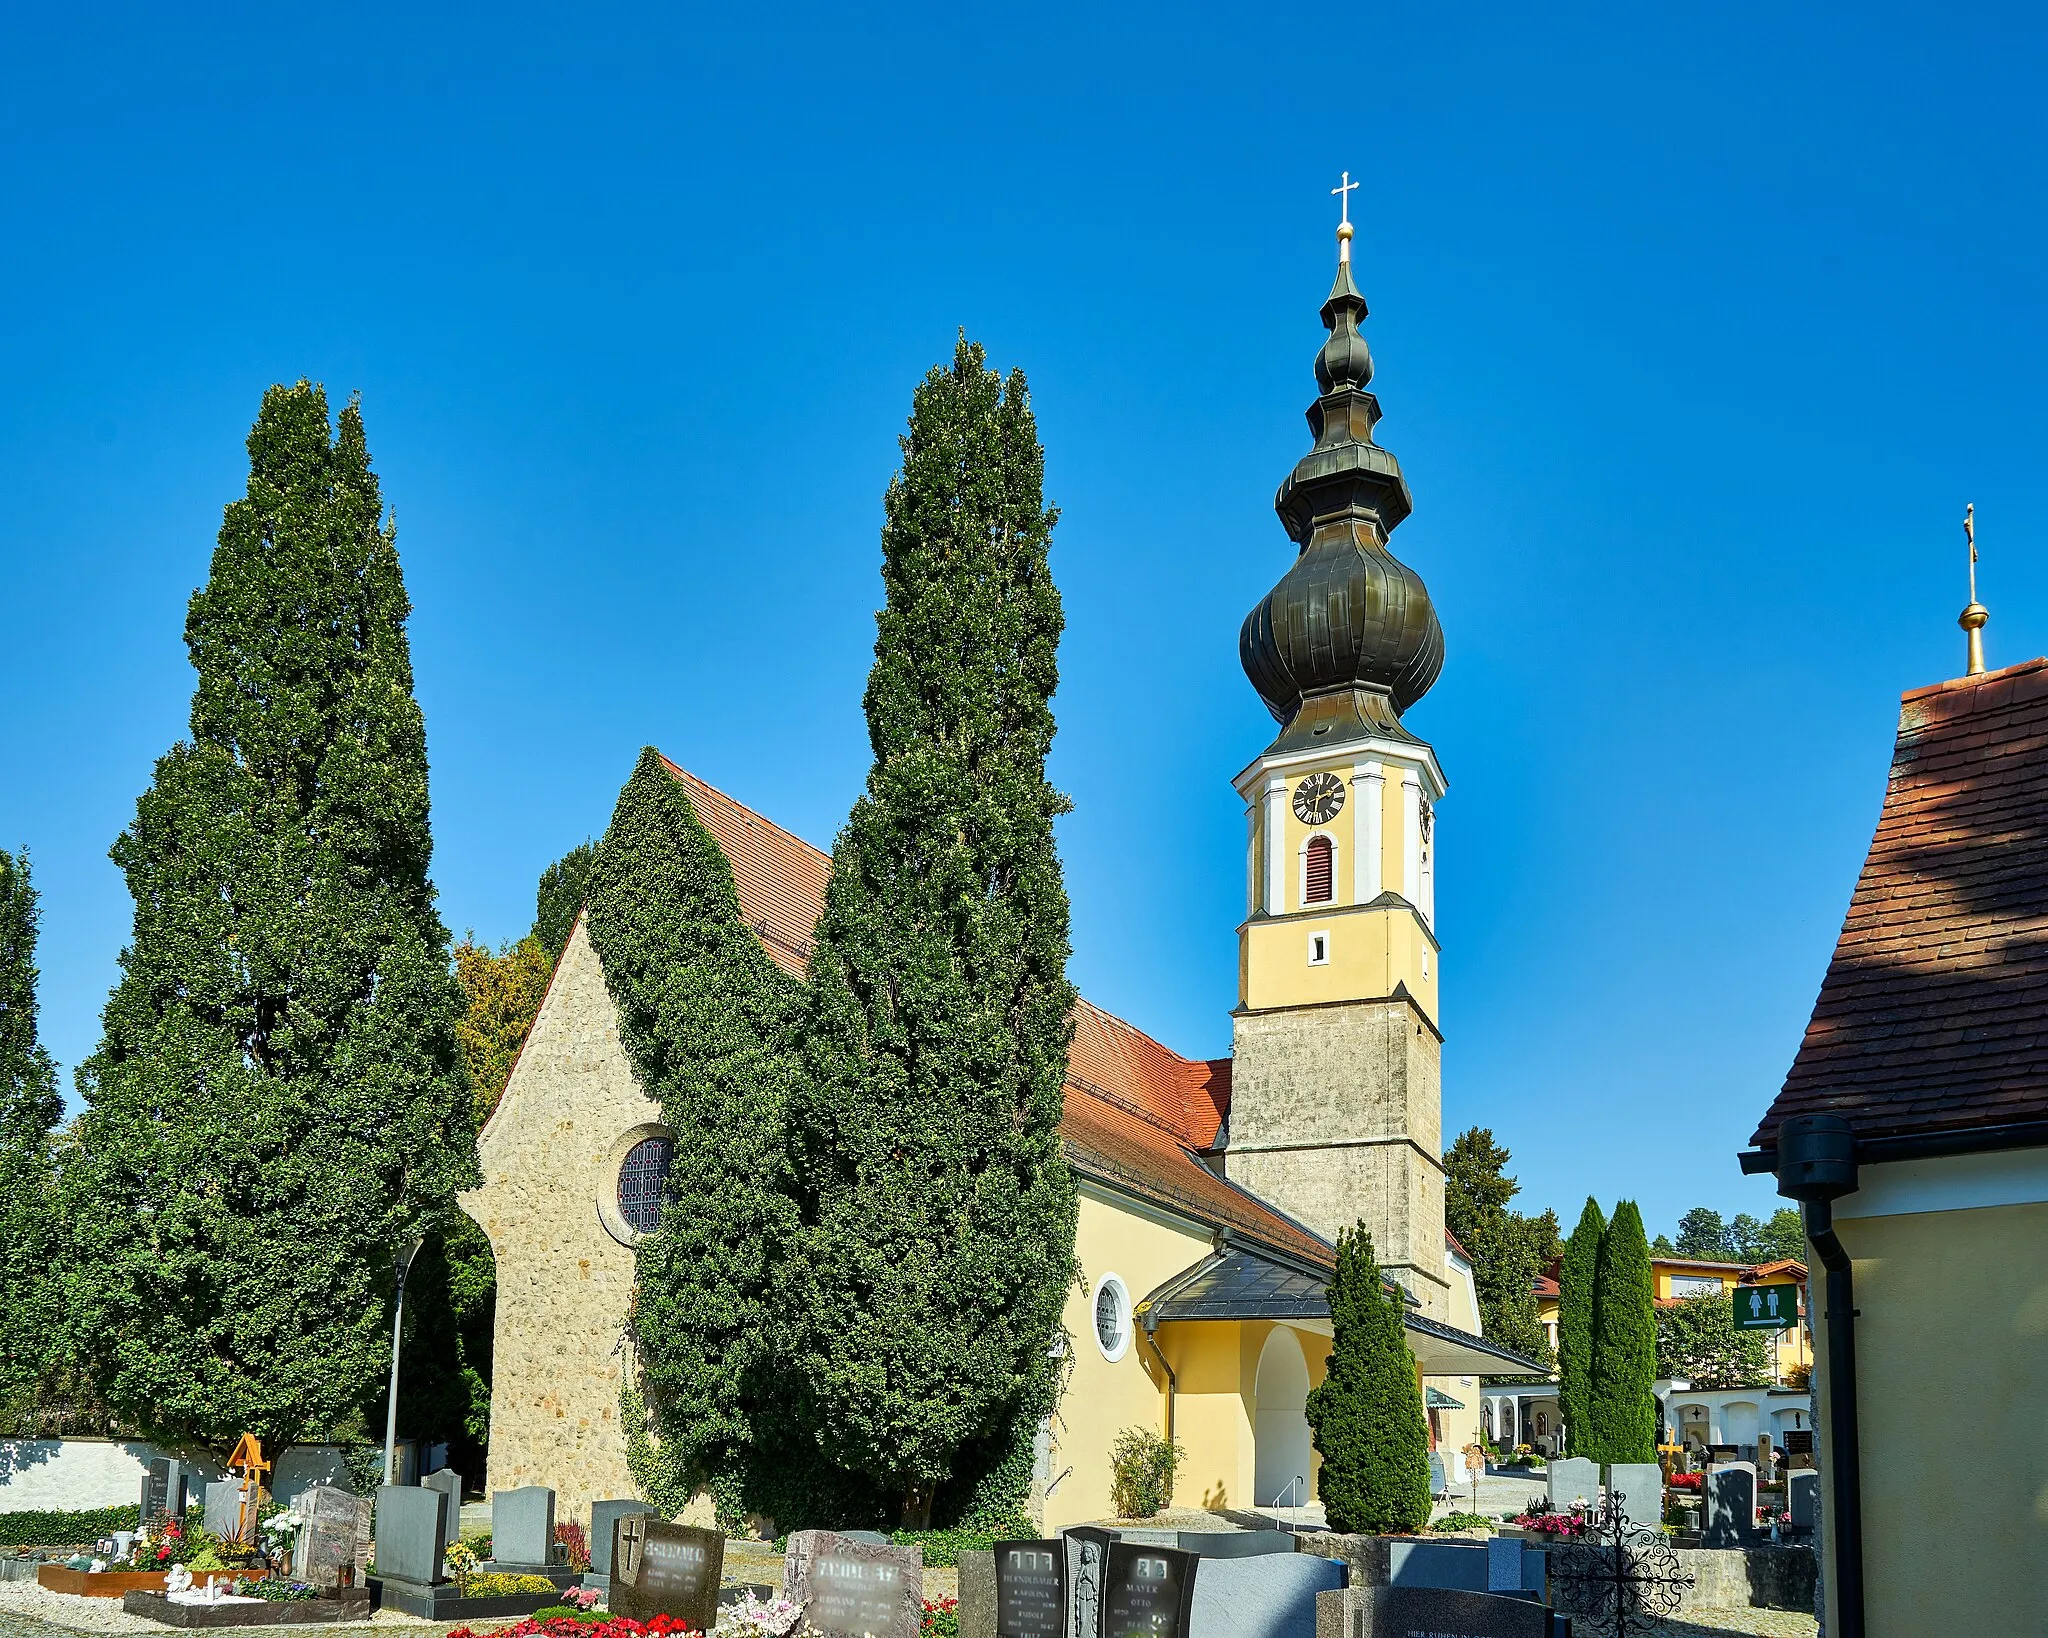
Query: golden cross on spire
x=1343, y=194
x=1976, y=614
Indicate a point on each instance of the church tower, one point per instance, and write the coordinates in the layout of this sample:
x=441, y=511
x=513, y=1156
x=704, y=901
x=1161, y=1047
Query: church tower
x=1335, y=1110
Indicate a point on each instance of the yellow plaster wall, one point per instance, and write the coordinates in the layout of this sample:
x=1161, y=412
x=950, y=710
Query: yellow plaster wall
x=1370, y=952
x=1954, y=1457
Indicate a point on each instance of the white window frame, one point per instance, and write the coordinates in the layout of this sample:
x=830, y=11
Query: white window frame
x=1123, y=1295
x=1319, y=938
x=1301, y=869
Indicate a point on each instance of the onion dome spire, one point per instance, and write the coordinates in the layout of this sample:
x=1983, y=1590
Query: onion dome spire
x=1348, y=639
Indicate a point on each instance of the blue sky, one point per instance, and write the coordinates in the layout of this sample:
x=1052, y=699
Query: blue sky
x=1694, y=336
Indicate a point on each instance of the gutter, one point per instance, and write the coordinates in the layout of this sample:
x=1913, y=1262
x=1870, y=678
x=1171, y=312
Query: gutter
x=1877, y=1151
x=1816, y=1160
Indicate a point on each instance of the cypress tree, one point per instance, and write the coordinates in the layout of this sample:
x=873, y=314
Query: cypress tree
x=927, y=1150
x=1624, y=1400
x=1575, y=1323
x=708, y=1021
x=277, y=1102
x=1367, y=1414
x=29, y=1111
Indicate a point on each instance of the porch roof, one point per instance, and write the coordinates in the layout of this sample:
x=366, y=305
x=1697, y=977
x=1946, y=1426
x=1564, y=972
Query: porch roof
x=1241, y=1282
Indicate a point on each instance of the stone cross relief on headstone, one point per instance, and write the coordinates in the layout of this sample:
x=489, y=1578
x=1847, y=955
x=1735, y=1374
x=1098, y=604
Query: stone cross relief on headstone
x=854, y=1589
x=1031, y=1589
x=336, y=1533
x=449, y=1483
x=666, y=1569
x=1731, y=1505
x=523, y=1528
x=410, y=1531
x=1573, y=1478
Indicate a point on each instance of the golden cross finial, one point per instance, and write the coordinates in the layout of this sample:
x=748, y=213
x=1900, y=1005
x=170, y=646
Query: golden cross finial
x=1976, y=614
x=1343, y=193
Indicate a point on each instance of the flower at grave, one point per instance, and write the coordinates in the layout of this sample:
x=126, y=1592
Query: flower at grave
x=752, y=1617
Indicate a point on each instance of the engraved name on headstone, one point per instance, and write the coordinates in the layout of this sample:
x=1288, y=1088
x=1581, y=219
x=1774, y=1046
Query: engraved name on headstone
x=855, y=1589
x=164, y=1488
x=1146, y=1591
x=1031, y=1589
x=604, y=1518
x=666, y=1569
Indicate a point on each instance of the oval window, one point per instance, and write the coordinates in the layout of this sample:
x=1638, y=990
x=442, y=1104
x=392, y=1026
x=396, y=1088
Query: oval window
x=1112, y=1317
x=643, y=1183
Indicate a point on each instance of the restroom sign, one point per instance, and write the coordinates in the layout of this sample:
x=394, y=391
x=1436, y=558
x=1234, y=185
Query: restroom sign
x=1766, y=1307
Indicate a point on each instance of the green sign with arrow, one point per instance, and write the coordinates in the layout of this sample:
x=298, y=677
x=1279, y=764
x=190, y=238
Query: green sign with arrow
x=1766, y=1307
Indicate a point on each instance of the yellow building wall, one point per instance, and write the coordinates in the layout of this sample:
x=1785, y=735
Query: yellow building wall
x=1370, y=951
x=1951, y=1366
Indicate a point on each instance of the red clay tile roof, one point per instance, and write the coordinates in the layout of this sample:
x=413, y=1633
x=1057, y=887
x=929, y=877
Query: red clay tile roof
x=1545, y=1286
x=1135, y=1110
x=1931, y=1016
x=1769, y=1271
x=1453, y=1242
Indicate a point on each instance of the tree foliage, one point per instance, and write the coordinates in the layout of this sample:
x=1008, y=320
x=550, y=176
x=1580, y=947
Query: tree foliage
x=1697, y=1340
x=1624, y=1398
x=708, y=1021
x=277, y=1099
x=503, y=993
x=558, y=898
x=29, y=1110
x=1504, y=1244
x=1702, y=1233
x=1742, y=1239
x=939, y=1209
x=1366, y=1414
x=1575, y=1305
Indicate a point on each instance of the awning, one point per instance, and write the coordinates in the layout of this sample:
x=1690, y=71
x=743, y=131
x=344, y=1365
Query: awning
x=1238, y=1281
x=1432, y=1400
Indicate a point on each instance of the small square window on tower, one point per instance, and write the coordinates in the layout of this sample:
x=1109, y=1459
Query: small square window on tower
x=1319, y=949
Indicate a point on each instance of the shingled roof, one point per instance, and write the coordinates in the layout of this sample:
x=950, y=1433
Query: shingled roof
x=1933, y=1017
x=1137, y=1113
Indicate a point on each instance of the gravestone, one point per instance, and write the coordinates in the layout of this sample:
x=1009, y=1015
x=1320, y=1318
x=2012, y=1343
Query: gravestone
x=1799, y=1447
x=1147, y=1592
x=666, y=1569
x=1731, y=1505
x=874, y=1538
x=333, y=1540
x=1439, y=1477
x=1234, y=1543
x=1503, y=1564
x=1267, y=1596
x=224, y=1508
x=164, y=1490
x=449, y=1483
x=1087, y=1546
x=523, y=1529
x=1571, y=1479
x=1030, y=1589
x=604, y=1518
x=1637, y=1488
x=1438, y=1612
x=854, y=1589
x=410, y=1534
x=1802, y=1497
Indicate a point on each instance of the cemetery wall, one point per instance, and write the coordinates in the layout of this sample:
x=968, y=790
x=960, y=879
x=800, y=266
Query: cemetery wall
x=1959, y=1452
x=75, y=1475
x=564, y=1279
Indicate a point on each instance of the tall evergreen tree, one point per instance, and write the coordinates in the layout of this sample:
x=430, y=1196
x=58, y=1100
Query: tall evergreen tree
x=1503, y=1244
x=277, y=1102
x=708, y=1020
x=1575, y=1325
x=1624, y=1402
x=558, y=897
x=1366, y=1413
x=927, y=1151
x=29, y=1111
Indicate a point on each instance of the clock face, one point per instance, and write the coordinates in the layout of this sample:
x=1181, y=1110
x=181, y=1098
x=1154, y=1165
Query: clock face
x=1318, y=799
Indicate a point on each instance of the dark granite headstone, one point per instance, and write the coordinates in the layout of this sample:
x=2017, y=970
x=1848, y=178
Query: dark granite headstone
x=604, y=1518
x=1234, y=1543
x=854, y=1589
x=1031, y=1589
x=1731, y=1505
x=1147, y=1592
x=1438, y=1612
x=523, y=1529
x=410, y=1533
x=164, y=1489
x=666, y=1569
x=1802, y=1497
x=449, y=1483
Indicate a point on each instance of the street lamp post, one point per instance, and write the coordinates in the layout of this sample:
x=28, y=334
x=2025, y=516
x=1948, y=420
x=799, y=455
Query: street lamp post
x=405, y=1258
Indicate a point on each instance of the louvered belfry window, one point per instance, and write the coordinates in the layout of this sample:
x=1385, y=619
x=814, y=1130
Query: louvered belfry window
x=1319, y=890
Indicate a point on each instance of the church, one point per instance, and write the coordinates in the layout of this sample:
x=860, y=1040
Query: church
x=1211, y=1192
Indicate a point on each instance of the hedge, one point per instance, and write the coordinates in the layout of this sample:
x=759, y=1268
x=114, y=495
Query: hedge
x=46, y=1529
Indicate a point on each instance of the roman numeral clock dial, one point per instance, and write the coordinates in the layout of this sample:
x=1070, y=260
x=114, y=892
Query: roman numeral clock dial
x=1318, y=799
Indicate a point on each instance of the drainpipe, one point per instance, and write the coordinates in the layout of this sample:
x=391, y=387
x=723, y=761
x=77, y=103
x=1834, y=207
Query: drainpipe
x=1172, y=1382
x=1817, y=1166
